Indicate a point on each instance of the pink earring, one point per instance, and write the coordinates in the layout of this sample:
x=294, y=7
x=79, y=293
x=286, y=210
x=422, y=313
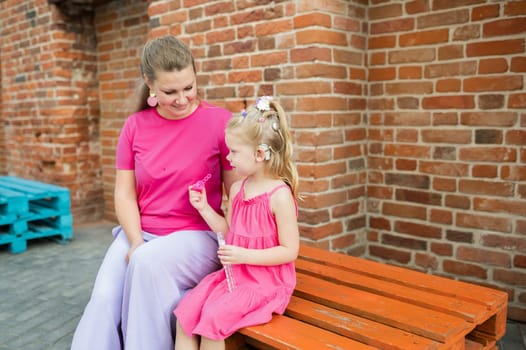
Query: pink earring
x=152, y=99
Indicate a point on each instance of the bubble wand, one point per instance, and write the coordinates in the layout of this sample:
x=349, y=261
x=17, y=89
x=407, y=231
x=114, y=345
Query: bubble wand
x=199, y=185
x=227, y=267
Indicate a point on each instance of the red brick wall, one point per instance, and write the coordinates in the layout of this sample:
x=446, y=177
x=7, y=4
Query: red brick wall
x=447, y=158
x=50, y=101
x=312, y=57
x=122, y=29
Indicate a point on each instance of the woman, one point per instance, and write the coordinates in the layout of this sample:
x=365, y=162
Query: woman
x=162, y=246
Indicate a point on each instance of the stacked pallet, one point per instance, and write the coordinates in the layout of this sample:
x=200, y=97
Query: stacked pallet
x=31, y=209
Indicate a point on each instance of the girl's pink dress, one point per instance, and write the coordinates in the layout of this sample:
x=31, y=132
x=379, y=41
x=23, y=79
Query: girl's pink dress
x=209, y=309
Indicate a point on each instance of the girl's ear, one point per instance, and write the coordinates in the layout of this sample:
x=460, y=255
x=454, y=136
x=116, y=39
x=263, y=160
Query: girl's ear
x=263, y=152
x=260, y=154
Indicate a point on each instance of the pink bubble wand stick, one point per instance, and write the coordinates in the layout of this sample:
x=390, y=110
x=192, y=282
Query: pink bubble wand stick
x=227, y=267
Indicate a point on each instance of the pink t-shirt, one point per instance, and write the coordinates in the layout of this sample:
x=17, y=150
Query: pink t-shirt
x=170, y=155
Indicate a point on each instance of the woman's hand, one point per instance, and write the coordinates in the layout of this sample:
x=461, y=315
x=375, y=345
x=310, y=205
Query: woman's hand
x=231, y=254
x=133, y=246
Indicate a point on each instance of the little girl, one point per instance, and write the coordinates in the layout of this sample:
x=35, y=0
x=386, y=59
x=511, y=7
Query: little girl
x=262, y=240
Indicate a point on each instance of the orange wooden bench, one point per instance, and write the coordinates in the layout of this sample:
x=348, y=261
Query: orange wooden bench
x=344, y=302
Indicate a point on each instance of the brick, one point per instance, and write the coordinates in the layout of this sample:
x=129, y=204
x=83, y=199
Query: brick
x=424, y=37
x=490, y=101
x=426, y=261
x=495, y=48
x=458, y=201
x=518, y=64
x=505, y=242
x=459, y=236
x=389, y=254
x=488, y=136
x=314, y=217
x=504, y=27
x=381, y=42
x=407, y=180
x=379, y=192
x=379, y=74
x=487, y=119
x=440, y=102
x=517, y=100
x=448, y=85
x=443, y=249
x=402, y=242
x=418, y=230
x=513, y=173
x=317, y=36
x=484, y=222
x=444, y=184
x=404, y=210
x=412, y=55
x=493, y=65
x=488, y=154
x=457, y=16
x=483, y=256
x=464, y=269
x=500, y=206
x=407, y=151
x=450, y=52
x=417, y=6
x=487, y=171
x=322, y=231
x=515, y=8
x=484, y=12
x=422, y=197
x=391, y=26
x=510, y=277
x=312, y=19
x=407, y=135
x=519, y=261
x=494, y=83
x=385, y=11
x=409, y=88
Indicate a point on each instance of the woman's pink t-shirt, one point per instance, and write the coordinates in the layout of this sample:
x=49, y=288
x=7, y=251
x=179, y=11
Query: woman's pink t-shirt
x=170, y=155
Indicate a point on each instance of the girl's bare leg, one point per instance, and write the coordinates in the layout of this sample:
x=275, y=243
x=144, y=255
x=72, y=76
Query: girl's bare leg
x=211, y=344
x=185, y=342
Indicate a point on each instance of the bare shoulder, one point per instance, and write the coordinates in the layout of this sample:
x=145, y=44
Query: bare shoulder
x=282, y=196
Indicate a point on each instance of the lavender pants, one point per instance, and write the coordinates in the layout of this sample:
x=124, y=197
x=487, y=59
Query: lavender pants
x=131, y=306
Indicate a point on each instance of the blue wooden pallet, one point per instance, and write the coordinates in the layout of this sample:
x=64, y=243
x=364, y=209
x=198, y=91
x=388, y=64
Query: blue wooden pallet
x=31, y=209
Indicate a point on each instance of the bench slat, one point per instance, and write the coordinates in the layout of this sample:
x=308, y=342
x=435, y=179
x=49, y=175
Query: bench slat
x=287, y=333
x=491, y=298
x=473, y=312
x=357, y=328
x=411, y=318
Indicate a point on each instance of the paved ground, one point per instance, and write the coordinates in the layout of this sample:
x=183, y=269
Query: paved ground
x=43, y=291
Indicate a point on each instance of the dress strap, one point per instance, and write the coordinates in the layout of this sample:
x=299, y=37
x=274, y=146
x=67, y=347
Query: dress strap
x=277, y=188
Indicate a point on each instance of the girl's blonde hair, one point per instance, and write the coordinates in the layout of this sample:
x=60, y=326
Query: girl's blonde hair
x=265, y=126
x=164, y=54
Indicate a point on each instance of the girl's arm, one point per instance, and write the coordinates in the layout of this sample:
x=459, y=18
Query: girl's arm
x=126, y=208
x=284, y=209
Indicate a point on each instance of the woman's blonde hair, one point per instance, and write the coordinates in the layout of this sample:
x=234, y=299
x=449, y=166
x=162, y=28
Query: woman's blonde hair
x=265, y=126
x=164, y=54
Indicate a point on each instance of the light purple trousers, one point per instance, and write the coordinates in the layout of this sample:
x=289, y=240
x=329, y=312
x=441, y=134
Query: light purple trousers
x=131, y=306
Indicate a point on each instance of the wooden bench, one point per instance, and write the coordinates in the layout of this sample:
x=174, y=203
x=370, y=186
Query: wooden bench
x=344, y=302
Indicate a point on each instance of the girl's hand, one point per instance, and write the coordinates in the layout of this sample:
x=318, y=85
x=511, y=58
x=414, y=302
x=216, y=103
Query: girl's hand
x=231, y=254
x=198, y=198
